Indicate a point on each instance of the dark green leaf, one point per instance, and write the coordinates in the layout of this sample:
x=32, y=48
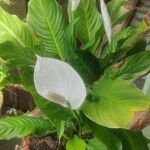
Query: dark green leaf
x=15, y=54
x=21, y=126
x=133, y=67
x=132, y=140
x=82, y=61
x=105, y=136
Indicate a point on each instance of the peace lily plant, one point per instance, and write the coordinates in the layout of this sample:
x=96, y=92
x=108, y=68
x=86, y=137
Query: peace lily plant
x=80, y=68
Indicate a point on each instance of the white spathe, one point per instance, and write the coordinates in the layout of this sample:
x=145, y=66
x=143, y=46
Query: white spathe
x=58, y=82
x=106, y=20
x=74, y=4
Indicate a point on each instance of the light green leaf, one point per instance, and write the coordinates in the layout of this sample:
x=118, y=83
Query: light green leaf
x=60, y=128
x=133, y=67
x=117, y=104
x=20, y=126
x=15, y=54
x=89, y=22
x=13, y=29
x=46, y=18
x=76, y=144
x=95, y=144
x=132, y=140
x=118, y=8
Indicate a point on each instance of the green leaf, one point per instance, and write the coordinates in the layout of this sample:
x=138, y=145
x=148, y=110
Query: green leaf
x=46, y=18
x=117, y=41
x=133, y=67
x=125, y=41
x=141, y=31
x=15, y=54
x=95, y=144
x=119, y=7
x=13, y=29
x=60, y=128
x=82, y=61
x=117, y=104
x=20, y=126
x=132, y=140
x=89, y=22
x=52, y=110
x=76, y=144
x=105, y=136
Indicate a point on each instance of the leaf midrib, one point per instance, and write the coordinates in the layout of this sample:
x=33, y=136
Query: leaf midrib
x=49, y=27
x=12, y=33
x=88, y=30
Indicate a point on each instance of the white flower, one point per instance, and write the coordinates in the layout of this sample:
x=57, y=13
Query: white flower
x=74, y=4
x=58, y=82
x=106, y=20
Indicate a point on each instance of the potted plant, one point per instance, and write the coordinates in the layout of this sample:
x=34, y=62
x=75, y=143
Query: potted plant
x=80, y=71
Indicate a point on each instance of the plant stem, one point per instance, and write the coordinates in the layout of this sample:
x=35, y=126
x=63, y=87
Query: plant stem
x=77, y=117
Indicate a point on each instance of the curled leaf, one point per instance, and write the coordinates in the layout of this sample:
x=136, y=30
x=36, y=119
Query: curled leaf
x=106, y=19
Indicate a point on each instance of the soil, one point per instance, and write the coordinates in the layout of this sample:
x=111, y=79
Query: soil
x=17, y=101
x=45, y=143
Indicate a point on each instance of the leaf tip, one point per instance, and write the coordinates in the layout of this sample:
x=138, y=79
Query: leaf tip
x=140, y=120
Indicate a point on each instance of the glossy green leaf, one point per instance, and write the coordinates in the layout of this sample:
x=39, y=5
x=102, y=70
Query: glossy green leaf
x=95, y=144
x=132, y=140
x=15, y=54
x=89, y=22
x=141, y=31
x=133, y=67
x=60, y=128
x=76, y=144
x=117, y=41
x=20, y=126
x=13, y=29
x=119, y=7
x=46, y=18
x=117, y=104
x=125, y=41
x=82, y=61
x=105, y=136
